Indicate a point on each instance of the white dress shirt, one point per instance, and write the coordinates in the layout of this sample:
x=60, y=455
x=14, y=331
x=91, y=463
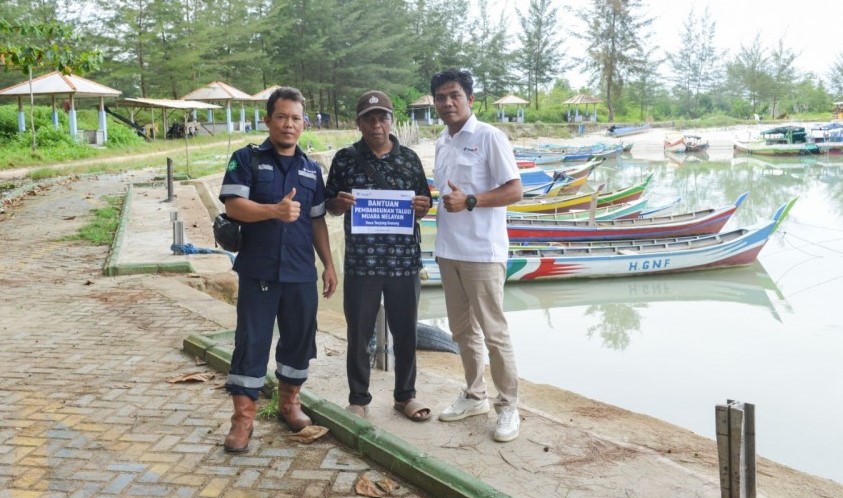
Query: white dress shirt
x=476, y=159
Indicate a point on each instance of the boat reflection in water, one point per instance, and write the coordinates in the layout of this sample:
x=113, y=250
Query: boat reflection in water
x=616, y=304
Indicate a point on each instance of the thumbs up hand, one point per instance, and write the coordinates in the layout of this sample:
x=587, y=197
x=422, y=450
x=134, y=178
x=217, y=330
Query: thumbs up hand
x=454, y=201
x=288, y=210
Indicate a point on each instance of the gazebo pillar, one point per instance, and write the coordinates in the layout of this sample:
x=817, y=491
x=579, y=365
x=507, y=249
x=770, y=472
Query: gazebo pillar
x=257, y=117
x=242, y=117
x=427, y=117
x=595, y=113
x=71, y=117
x=21, y=117
x=228, y=124
x=55, y=113
x=103, y=126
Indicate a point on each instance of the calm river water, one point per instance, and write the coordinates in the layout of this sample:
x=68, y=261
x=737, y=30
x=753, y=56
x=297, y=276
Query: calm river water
x=675, y=346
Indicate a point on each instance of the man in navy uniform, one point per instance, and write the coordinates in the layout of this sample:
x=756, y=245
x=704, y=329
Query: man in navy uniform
x=279, y=195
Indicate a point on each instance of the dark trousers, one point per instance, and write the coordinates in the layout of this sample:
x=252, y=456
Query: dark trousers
x=361, y=301
x=259, y=305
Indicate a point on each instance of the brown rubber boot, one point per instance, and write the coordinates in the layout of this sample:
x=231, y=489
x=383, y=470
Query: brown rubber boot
x=242, y=424
x=289, y=407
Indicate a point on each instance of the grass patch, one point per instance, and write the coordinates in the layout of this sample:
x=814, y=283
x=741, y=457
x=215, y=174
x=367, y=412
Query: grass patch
x=100, y=231
x=270, y=410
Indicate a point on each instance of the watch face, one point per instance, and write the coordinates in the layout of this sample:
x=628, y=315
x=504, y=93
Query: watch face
x=471, y=201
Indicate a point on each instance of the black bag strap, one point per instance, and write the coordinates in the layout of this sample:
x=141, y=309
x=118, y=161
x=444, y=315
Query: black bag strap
x=254, y=166
x=369, y=169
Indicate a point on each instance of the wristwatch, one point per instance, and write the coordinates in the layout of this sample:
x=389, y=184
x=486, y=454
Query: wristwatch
x=470, y=202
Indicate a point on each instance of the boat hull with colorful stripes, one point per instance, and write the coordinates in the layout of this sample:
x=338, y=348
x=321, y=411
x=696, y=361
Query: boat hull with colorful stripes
x=602, y=259
x=676, y=225
x=558, y=204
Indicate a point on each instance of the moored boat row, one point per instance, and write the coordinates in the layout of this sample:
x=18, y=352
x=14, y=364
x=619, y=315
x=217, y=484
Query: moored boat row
x=624, y=258
x=692, y=223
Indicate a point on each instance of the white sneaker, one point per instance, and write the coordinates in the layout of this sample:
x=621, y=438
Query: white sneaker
x=506, y=429
x=464, y=407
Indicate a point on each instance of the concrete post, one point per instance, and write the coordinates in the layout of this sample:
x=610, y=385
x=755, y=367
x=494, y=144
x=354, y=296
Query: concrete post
x=735, y=423
x=169, y=179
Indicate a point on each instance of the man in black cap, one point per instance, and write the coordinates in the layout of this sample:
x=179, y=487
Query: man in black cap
x=380, y=264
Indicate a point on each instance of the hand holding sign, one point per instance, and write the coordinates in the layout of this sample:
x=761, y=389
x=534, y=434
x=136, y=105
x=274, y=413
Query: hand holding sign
x=454, y=201
x=344, y=202
x=421, y=205
x=288, y=210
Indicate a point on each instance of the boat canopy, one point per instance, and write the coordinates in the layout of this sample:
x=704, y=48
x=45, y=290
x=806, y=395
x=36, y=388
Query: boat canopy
x=785, y=134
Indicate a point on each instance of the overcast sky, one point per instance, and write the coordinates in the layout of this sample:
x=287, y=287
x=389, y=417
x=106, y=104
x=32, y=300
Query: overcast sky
x=811, y=28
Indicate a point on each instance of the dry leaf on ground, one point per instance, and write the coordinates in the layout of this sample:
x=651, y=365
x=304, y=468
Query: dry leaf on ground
x=309, y=434
x=192, y=377
x=387, y=485
x=365, y=487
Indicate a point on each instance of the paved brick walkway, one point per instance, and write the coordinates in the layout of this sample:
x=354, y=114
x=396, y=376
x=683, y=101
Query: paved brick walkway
x=85, y=406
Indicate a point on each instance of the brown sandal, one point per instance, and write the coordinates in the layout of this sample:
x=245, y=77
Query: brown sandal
x=359, y=410
x=413, y=409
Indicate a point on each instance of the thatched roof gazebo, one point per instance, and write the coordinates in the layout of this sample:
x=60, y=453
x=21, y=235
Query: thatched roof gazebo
x=579, y=99
x=511, y=100
x=422, y=104
x=74, y=87
x=222, y=93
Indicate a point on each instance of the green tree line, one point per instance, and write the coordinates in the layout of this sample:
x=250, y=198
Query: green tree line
x=333, y=50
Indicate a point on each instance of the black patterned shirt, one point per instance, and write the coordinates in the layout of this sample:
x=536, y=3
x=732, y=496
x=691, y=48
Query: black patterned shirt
x=382, y=255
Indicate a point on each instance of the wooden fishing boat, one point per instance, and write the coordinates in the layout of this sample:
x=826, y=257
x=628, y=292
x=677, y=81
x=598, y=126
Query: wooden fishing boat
x=564, y=185
x=551, y=153
x=626, y=258
x=565, y=181
x=540, y=157
x=622, y=131
x=779, y=141
x=610, y=151
x=695, y=143
x=632, y=209
x=625, y=210
x=828, y=137
x=571, y=186
x=581, y=170
x=556, y=204
x=538, y=181
x=694, y=223
x=674, y=142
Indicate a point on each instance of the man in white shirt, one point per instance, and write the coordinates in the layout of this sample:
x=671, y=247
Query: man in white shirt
x=477, y=178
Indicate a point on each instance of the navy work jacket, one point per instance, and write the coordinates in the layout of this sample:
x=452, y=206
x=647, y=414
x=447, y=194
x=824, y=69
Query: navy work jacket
x=273, y=250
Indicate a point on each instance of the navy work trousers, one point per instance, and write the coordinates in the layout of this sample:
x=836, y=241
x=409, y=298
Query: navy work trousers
x=361, y=302
x=259, y=305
